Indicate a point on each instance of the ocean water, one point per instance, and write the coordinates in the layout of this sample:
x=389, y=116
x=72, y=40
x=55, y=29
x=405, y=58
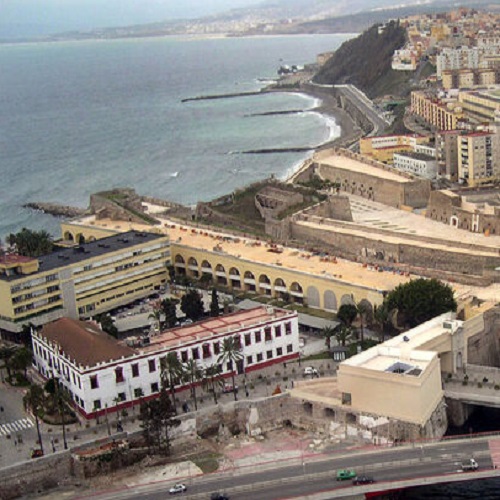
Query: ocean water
x=79, y=117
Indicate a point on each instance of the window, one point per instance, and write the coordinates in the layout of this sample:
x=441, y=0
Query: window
x=138, y=393
x=184, y=356
x=288, y=328
x=154, y=387
x=237, y=342
x=259, y=357
x=216, y=347
x=122, y=396
x=206, y=351
x=289, y=348
x=152, y=365
x=249, y=360
x=268, y=335
x=97, y=404
x=258, y=337
x=119, y=375
x=248, y=339
x=269, y=354
x=94, y=383
x=135, y=370
x=195, y=352
x=229, y=366
x=277, y=330
x=279, y=351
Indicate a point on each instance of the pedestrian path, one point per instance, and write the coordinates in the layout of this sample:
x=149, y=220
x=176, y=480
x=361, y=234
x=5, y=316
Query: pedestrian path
x=16, y=426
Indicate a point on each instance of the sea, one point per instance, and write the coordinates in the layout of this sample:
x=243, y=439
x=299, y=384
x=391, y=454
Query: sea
x=86, y=116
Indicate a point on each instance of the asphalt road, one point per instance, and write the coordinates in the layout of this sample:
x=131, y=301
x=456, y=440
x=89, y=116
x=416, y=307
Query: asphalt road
x=318, y=477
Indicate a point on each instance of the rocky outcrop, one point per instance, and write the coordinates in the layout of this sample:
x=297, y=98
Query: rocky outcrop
x=57, y=210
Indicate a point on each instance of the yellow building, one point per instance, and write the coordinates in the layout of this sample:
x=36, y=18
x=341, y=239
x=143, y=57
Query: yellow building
x=481, y=106
x=382, y=148
x=81, y=281
x=442, y=115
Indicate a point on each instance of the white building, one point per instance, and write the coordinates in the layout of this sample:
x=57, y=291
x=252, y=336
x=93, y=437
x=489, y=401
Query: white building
x=416, y=164
x=458, y=58
x=101, y=373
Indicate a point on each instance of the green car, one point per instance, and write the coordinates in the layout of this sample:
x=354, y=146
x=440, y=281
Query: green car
x=345, y=474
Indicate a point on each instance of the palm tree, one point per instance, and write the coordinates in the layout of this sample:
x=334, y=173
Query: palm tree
x=212, y=379
x=156, y=316
x=231, y=354
x=34, y=400
x=328, y=332
x=363, y=308
x=193, y=373
x=343, y=334
x=171, y=370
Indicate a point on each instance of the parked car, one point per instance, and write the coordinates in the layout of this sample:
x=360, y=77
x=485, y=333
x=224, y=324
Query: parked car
x=229, y=388
x=219, y=496
x=37, y=453
x=177, y=488
x=344, y=474
x=469, y=465
x=310, y=370
x=363, y=480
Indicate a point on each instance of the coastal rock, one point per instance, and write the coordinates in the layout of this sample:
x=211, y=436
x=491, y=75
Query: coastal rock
x=56, y=209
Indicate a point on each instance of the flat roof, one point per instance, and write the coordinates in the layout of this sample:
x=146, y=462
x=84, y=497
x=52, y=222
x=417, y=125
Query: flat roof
x=13, y=259
x=352, y=165
x=416, y=156
x=67, y=256
x=211, y=327
x=84, y=342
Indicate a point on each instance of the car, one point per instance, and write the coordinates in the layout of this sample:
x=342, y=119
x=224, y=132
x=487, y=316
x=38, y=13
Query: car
x=310, y=370
x=177, y=488
x=363, y=480
x=219, y=496
x=227, y=388
x=344, y=474
x=37, y=453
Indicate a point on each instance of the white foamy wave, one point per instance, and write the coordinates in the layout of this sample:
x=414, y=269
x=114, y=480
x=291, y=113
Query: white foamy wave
x=331, y=125
x=291, y=170
x=174, y=174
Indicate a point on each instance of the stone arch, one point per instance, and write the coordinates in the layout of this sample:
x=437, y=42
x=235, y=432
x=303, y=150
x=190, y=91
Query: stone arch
x=330, y=300
x=193, y=267
x=297, y=292
x=454, y=221
x=180, y=264
x=280, y=289
x=206, y=266
x=80, y=239
x=91, y=238
x=265, y=284
x=235, y=277
x=234, y=271
x=179, y=259
x=220, y=273
x=219, y=268
x=249, y=275
x=68, y=236
x=192, y=262
x=347, y=299
x=313, y=297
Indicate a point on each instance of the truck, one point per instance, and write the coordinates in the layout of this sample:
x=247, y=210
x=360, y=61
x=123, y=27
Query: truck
x=469, y=465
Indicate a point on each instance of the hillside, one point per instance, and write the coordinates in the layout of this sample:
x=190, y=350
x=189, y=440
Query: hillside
x=365, y=61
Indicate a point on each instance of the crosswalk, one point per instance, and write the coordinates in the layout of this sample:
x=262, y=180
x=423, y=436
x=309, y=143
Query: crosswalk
x=16, y=426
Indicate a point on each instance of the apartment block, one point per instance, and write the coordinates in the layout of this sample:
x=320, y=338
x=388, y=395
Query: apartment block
x=481, y=105
x=81, y=281
x=418, y=164
x=439, y=113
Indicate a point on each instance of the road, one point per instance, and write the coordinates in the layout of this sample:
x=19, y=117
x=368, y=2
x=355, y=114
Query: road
x=316, y=478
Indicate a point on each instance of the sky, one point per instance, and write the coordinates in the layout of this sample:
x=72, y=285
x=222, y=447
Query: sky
x=36, y=17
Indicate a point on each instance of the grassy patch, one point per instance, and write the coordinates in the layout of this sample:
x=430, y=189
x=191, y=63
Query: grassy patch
x=207, y=462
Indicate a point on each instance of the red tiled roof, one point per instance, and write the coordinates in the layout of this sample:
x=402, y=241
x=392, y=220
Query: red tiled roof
x=84, y=342
x=13, y=258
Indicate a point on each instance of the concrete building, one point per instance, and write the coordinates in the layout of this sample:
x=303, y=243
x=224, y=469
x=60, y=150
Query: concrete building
x=442, y=114
x=481, y=105
x=447, y=154
x=382, y=148
x=478, y=158
x=457, y=58
x=418, y=164
x=82, y=281
x=100, y=374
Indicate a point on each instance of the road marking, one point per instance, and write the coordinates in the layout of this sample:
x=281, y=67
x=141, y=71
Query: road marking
x=16, y=426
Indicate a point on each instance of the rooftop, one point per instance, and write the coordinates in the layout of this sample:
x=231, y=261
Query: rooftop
x=415, y=156
x=208, y=328
x=84, y=342
x=68, y=256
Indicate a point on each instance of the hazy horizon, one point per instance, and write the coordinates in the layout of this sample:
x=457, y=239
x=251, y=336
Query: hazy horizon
x=25, y=18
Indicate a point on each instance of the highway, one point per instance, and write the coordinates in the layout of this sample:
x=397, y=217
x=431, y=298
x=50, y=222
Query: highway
x=390, y=467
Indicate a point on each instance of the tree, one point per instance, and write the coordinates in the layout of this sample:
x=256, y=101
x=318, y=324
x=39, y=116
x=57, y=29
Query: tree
x=420, y=300
x=193, y=374
x=34, y=401
x=156, y=421
x=363, y=309
x=214, y=304
x=155, y=315
x=205, y=280
x=6, y=355
x=343, y=334
x=58, y=401
x=347, y=313
x=171, y=372
x=212, y=379
x=169, y=310
x=192, y=305
x=231, y=354
x=21, y=360
x=32, y=243
x=107, y=324
x=382, y=317
x=328, y=332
